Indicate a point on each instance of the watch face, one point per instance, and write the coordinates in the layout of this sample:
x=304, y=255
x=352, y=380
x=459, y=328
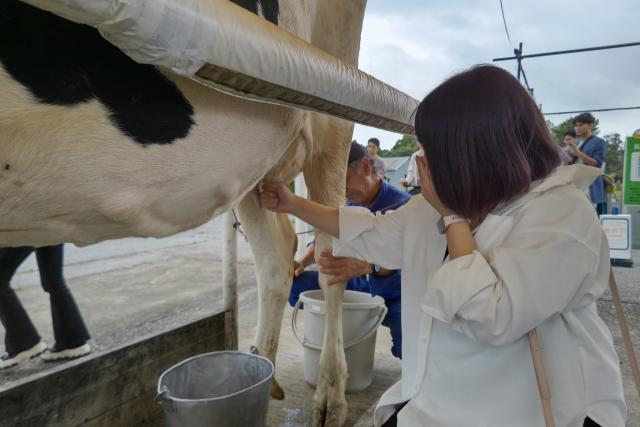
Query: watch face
x=441, y=227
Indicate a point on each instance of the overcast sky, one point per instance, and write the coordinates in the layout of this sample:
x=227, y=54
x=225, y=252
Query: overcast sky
x=415, y=44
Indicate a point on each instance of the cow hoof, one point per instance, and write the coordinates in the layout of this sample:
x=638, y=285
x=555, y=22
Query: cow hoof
x=276, y=391
x=328, y=414
x=317, y=417
x=336, y=415
x=319, y=407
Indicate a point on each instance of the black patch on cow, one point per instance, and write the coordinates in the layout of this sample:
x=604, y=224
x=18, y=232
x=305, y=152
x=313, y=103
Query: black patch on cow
x=270, y=8
x=64, y=63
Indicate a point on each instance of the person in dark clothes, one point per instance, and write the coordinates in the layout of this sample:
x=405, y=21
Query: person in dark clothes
x=22, y=341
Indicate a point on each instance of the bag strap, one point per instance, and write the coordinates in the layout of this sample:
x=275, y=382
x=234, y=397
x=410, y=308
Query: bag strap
x=534, y=342
x=541, y=377
x=538, y=364
x=628, y=344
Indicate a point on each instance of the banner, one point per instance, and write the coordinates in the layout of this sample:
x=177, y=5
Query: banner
x=631, y=183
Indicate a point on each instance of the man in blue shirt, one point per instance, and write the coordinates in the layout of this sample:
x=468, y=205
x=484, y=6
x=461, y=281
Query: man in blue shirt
x=364, y=187
x=591, y=151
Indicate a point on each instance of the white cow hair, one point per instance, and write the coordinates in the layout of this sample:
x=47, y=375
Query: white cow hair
x=67, y=174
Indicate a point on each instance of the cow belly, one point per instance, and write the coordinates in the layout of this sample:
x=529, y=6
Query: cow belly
x=67, y=174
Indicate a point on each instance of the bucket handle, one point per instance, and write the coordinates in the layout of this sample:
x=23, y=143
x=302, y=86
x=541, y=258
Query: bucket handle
x=305, y=343
x=164, y=399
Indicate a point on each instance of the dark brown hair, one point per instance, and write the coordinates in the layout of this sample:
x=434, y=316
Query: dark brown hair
x=484, y=139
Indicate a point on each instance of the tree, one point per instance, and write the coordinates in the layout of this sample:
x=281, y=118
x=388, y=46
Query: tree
x=403, y=147
x=559, y=129
x=615, y=155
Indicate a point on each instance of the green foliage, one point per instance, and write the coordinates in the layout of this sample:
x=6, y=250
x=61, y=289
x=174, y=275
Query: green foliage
x=403, y=147
x=559, y=129
x=615, y=156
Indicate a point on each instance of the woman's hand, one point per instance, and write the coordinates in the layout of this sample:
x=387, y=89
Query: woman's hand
x=427, y=190
x=276, y=197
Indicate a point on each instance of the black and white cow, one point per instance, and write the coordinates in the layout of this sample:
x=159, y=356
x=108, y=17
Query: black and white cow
x=94, y=146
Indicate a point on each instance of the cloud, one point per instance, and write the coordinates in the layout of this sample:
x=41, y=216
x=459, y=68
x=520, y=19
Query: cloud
x=414, y=45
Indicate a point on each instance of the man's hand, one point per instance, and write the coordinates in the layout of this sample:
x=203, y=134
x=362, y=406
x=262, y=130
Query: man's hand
x=342, y=269
x=276, y=197
x=573, y=148
x=298, y=268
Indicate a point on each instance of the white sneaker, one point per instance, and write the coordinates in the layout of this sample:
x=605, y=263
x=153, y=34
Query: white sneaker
x=55, y=354
x=7, y=361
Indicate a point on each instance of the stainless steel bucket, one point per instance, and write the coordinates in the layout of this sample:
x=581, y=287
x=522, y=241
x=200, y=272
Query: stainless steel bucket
x=222, y=389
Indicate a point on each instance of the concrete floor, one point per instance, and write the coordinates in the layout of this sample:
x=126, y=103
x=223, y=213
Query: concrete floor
x=132, y=287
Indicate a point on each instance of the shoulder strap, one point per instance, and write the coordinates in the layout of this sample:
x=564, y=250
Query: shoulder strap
x=538, y=364
x=628, y=344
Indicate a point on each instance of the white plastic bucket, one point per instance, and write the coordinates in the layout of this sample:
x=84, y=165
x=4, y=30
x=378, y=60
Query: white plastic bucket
x=362, y=314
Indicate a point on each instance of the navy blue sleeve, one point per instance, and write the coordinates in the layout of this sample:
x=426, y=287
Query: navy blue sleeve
x=387, y=286
x=599, y=152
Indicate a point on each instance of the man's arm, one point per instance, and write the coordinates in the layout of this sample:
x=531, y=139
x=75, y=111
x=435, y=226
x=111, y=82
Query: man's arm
x=588, y=160
x=411, y=172
x=307, y=259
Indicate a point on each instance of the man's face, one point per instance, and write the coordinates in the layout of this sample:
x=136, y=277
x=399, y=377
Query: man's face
x=582, y=129
x=568, y=140
x=357, y=184
x=372, y=149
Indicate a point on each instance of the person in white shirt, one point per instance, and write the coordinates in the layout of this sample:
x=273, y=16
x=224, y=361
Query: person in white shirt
x=373, y=147
x=413, y=179
x=501, y=240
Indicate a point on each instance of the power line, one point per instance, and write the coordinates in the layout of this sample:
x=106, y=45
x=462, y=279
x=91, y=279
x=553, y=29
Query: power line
x=592, y=110
x=504, y=21
x=562, y=52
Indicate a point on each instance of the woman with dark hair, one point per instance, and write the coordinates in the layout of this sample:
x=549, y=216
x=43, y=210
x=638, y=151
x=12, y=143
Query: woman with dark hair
x=502, y=240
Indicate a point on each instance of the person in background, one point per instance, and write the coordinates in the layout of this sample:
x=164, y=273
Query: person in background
x=364, y=187
x=22, y=341
x=570, y=139
x=591, y=151
x=373, y=147
x=413, y=179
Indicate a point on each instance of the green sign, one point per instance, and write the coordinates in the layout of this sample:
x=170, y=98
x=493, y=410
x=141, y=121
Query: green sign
x=631, y=186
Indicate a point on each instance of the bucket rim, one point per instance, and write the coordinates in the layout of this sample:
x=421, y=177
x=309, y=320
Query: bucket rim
x=376, y=300
x=209, y=399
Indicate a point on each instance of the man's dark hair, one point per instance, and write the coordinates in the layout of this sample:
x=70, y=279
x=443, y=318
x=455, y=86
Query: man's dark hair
x=356, y=153
x=571, y=132
x=375, y=141
x=485, y=140
x=584, y=118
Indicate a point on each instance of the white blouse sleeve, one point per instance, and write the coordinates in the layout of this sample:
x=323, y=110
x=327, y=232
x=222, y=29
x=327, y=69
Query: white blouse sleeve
x=374, y=238
x=554, y=260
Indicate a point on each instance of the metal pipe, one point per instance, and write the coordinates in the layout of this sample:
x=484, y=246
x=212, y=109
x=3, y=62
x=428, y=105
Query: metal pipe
x=592, y=110
x=230, y=281
x=563, y=52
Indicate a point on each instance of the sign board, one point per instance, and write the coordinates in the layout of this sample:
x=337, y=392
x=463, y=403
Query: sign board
x=631, y=184
x=618, y=231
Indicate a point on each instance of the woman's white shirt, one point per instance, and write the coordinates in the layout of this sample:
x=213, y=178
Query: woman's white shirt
x=541, y=261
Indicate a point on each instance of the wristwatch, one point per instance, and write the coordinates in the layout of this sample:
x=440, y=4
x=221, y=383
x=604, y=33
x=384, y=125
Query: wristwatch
x=375, y=269
x=446, y=221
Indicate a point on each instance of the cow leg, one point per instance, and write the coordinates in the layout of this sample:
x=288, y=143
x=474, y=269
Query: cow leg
x=325, y=178
x=273, y=243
